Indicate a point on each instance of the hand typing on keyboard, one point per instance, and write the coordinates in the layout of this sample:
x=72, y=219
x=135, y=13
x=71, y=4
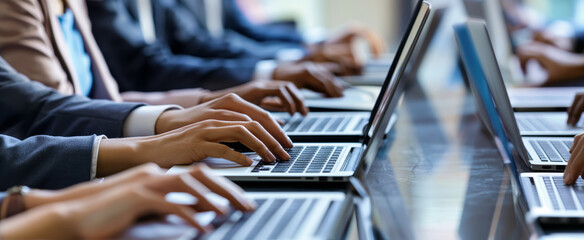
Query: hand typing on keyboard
x=575, y=167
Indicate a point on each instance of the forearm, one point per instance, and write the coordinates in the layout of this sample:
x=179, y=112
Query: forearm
x=43, y=223
x=183, y=97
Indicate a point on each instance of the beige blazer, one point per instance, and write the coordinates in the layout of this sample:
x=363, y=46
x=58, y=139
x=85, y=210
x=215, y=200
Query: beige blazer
x=31, y=40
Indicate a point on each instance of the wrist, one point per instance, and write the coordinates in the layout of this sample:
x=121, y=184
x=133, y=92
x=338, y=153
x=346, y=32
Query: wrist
x=116, y=155
x=165, y=121
x=37, y=197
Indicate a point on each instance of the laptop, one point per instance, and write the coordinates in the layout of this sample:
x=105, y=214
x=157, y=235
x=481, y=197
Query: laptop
x=333, y=161
x=529, y=123
x=327, y=126
x=546, y=198
x=363, y=90
x=540, y=153
x=522, y=98
x=376, y=70
x=290, y=214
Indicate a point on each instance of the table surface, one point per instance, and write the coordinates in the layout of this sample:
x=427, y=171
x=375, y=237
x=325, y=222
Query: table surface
x=439, y=174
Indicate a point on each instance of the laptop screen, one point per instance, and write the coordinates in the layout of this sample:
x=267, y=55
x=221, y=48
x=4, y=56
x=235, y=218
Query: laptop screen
x=392, y=87
x=488, y=89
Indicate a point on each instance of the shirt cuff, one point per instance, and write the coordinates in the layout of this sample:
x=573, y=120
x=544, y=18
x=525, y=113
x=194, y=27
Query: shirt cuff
x=142, y=121
x=290, y=54
x=264, y=70
x=93, y=170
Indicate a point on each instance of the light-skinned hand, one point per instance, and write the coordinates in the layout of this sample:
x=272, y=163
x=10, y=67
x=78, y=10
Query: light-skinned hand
x=94, y=210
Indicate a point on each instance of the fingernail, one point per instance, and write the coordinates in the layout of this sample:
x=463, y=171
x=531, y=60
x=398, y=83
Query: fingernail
x=286, y=155
x=272, y=158
x=249, y=161
x=567, y=178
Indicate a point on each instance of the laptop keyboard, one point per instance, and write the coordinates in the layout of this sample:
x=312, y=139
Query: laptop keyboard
x=569, y=196
x=322, y=124
x=271, y=219
x=552, y=150
x=536, y=124
x=304, y=159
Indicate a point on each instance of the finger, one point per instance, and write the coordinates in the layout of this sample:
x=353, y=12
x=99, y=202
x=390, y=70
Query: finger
x=575, y=110
x=285, y=98
x=298, y=99
x=217, y=150
x=238, y=133
x=161, y=206
x=244, y=130
x=327, y=81
x=227, y=115
x=223, y=187
x=575, y=165
x=235, y=103
x=200, y=191
x=575, y=142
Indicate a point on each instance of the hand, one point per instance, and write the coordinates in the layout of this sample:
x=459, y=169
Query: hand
x=340, y=48
x=228, y=108
x=106, y=213
x=547, y=37
x=575, y=167
x=576, y=109
x=287, y=97
x=189, y=144
x=310, y=75
x=559, y=64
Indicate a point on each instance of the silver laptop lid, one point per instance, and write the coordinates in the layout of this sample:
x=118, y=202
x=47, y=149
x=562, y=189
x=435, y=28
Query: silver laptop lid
x=392, y=88
x=487, y=84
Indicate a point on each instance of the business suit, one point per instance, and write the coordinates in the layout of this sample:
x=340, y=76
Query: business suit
x=180, y=57
x=33, y=43
x=265, y=41
x=29, y=109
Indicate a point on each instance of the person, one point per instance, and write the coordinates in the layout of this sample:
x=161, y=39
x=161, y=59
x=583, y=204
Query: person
x=50, y=41
x=173, y=54
x=56, y=140
x=229, y=23
x=560, y=65
x=105, y=209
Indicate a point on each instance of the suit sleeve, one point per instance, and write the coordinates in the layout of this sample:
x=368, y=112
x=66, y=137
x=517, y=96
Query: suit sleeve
x=45, y=162
x=579, y=41
x=139, y=66
x=26, y=46
x=29, y=108
x=234, y=19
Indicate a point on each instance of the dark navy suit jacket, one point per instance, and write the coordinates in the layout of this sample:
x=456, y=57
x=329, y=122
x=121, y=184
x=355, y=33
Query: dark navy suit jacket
x=29, y=112
x=234, y=19
x=183, y=56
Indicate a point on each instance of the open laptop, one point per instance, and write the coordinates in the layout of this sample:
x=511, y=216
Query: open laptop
x=539, y=153
x=529, y=123
x=363, y=90
x=333, y=161
x=547, y=199
x=327, y=126
x=522, y=98
x=304, y=214
x=376, y=70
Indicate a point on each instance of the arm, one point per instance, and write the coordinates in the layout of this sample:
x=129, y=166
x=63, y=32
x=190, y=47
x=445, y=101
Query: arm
x=139, y=66
x=44, y=161
x=29, y=108
x=234, y=19
x=184, y=36
x=26, y=46
x=103, y=211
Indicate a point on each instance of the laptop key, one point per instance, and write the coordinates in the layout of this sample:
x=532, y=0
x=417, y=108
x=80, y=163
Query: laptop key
x=538, y=151
x=551, y=193
x=564, y=193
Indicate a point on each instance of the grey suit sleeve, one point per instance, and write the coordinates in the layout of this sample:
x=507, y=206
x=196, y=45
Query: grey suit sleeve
x=29, y=108
x=44, y=161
